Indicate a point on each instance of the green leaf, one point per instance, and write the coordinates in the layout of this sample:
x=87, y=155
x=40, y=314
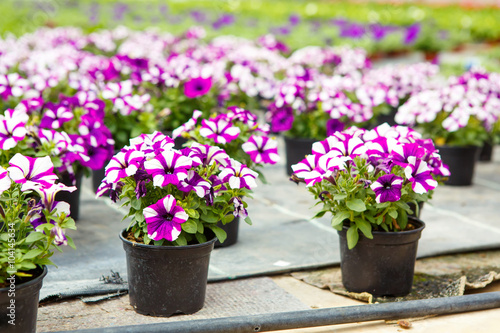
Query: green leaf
x=201, y=238
x=193, y=213
x=219, y=233
x=365, y=227
x=32, y=254
x=319, y=214
x=339, y=196
x=210, y=217
x=199, y=227
x=248, y=220
x=356, y=205
x=393, y=213
x=190, y=226
x=339, y=217
x=34, y=236
x=136, y=204
x=228, y=218
x=139, y=216
x=352, y=237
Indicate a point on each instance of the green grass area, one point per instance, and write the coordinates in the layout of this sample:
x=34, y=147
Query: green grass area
x=255, y=18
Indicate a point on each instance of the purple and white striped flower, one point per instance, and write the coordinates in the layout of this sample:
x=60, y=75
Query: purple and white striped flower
x=152, y=144
x=239, y=175
x=187, y=126
x=55, y=115
x=219, y=130
x=419, y=174
x=12, y=84
x=5, y=181
x=31, y=172
x=261, y=149
x=12, y=128
x=123, y=164
x=170, y=167
x=387, y=188
x=164, y=219
x=206, y=154
x=194, y=182
x=48, y=201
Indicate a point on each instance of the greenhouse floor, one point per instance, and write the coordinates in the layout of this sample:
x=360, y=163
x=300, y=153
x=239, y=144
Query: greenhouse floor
x=295, y=263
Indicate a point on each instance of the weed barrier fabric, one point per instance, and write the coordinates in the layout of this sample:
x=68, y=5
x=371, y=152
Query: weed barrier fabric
x=282, y=238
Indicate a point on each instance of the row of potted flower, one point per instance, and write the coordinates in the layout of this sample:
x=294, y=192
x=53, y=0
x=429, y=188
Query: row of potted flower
x=180, y=196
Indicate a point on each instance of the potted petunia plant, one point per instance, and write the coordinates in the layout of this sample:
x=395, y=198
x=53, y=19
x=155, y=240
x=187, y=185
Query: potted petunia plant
x=242, y=138
x=32, y=227
x=459, y=117
x=367, y=180
x=175, y=199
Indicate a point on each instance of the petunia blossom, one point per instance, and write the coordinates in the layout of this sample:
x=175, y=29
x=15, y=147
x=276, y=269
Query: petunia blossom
x=194, y=182
x=419, y=174
x=197, y=87
x=169, y=167
x=5, y=181
x=31, y=172
x=387, y=188
x=12, y=128
x=123, y=164
x=219, y=130
x=239, y=176
x=261, y=149
x=164, y=219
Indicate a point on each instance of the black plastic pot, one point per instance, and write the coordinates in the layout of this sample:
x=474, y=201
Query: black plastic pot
x=97, y=177
x=486, y=152
x=296, y=150
x=382, y=266
x=461, y=162
x=25, y=307
x=73, y=198
x=231, y=229
x=387, y=118
x=166, y=280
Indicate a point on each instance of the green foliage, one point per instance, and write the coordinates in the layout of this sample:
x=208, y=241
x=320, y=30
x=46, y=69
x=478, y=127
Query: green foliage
x=22, y=248
x=203, y=218
x=352, y=203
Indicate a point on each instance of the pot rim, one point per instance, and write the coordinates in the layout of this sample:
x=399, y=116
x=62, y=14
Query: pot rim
x=31, y=282
x=457, y=147
x=404, y=232
x=163, y=247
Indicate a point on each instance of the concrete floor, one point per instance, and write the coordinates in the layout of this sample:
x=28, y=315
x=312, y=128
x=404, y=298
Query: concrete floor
x=74, y=314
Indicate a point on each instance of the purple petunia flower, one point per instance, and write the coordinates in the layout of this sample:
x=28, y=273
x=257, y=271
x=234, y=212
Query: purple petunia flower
x=188, y=125
x=419, y=174
x=387, y=188
x=282, y=120
x=206, y=154
x=334, y=125
x=197, y=87
x=239, y=176
x=412, y=33
x=219, y=130
x=194, y=182
x=55, y=115
x=31, y=172
x=164, y=219
x=239, y=208
x=123, y=164
x=261, y=149
x=169, y=167
x=5, y=181
x=12, y=128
